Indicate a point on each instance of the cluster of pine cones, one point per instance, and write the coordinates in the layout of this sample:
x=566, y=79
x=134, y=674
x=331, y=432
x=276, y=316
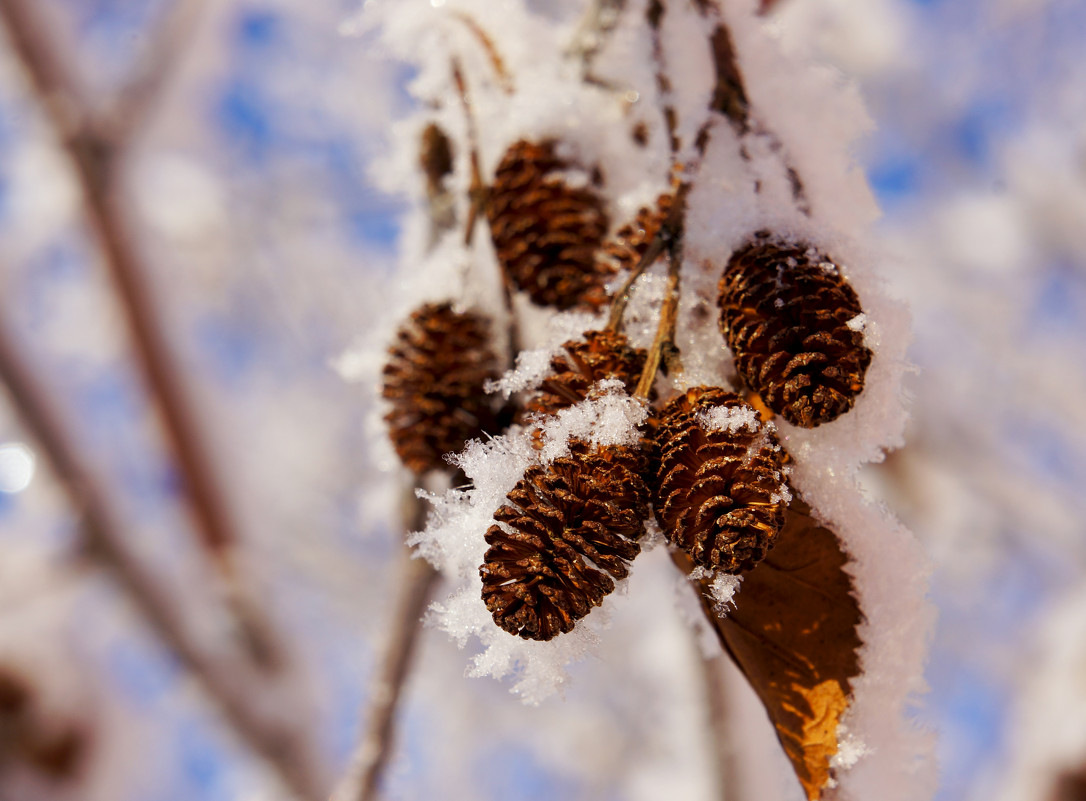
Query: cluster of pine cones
x=708, y=465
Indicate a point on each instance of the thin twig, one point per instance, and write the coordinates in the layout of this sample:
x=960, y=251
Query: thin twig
x=96, y=159
x=622, y=297
x=416, y=582
x=104, y=541
x=477, y=189
x=671, y=232
x=665, y=329
x=505, y=80
x=478, y=195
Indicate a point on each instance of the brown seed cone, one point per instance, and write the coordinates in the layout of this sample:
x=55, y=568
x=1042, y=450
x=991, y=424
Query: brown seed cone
x=631, y=241
x=602, y=355
x=547, y=233
x=784, y=312
x=718, y=494
x=50, y=747
x=435, y=157
x=565, y=524
x=434, y=378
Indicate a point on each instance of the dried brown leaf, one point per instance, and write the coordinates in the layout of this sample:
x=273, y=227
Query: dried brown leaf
x=794, y=635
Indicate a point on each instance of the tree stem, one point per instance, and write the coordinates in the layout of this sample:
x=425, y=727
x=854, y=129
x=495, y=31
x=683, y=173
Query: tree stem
x=416, y=582
x=104, y=540
x=96, y=159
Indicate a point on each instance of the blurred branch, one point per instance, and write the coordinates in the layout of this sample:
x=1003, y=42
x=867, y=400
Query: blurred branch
x=97, y=159
x=255, y=722
x=137, y=102
x=716, y=696
x=416, y=582
x=497, y=63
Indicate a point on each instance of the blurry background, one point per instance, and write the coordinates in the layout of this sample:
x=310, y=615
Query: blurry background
x=269, y=249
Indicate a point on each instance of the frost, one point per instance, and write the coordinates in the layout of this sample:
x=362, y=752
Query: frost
x=532, y=367
x=609, y=417
x=849, y=749
x=729, y=419
x=722, y=587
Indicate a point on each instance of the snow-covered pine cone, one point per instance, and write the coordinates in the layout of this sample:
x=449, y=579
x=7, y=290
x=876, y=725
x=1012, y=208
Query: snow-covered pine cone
x=434, y=379
x=719, y=492
x=631, y=241
x=565, y=524
x=602, y=355
x=785, y=312
x=547, y=233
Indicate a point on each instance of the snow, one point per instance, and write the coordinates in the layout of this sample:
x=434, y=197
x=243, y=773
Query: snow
x=723, y=588
x=729, y=419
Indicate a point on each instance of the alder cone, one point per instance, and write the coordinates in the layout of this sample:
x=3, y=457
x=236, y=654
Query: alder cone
x=602, y=355
x=50, y=747
x=719, y=494
x=632, y=240
x=434, y=379
x=435, y=157
x=547, y=233
x=785, y=312
x=571, y=527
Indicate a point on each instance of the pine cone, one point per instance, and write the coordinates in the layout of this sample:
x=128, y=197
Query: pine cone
x=632, y=240
x=546, y=232
x=435, y=157
x=565, y=523
x=602, y=354
x=718, y=493
x=434, y=379
x=52, y=748
x=785, y=313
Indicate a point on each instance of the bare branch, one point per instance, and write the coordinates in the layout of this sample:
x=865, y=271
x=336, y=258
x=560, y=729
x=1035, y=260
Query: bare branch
x=137, y=102
x=96, y=160
x=416, y=582
x=716, y=696
x=477, y=190
x=103, y=541
x=505, y=80
x=663, y=343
